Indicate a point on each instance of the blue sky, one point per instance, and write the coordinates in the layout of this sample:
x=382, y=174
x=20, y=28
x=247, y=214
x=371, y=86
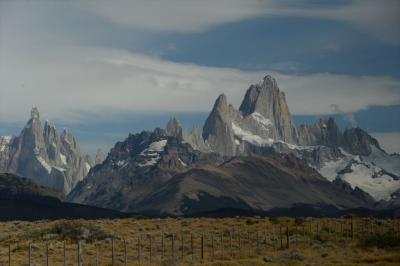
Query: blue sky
x=105, y=69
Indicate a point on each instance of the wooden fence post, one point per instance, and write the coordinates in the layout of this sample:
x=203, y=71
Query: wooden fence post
x=191, y=245
x=150, y=247
x=352, y=229
x=78, y=252
x=30, y=255
x=266, y=238
x=64, y=253
x=97, y=254
x=280, y=236
x=112, y=252
x=212, y=245
x=222, y=243
x=240, y=244
x=162, y=245
x=202, y=246
x=182, y=246
x=249, y=242
x=9, y=254
x=287, y=237
x=138, y=249
x=125, y=253
x=47, y=253
x=230, y=244
x=173, y=246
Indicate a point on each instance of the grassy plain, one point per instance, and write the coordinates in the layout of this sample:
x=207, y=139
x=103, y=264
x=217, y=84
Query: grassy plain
x=245, y=241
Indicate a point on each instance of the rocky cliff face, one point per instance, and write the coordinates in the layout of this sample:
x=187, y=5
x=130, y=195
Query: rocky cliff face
x=41, y=154
x=266, y=99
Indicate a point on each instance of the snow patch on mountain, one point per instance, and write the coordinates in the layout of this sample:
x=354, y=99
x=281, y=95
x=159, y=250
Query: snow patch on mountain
x=87, y=165
x=152, y=153
x=371, y=179
x=264, y=122
x=250, y=137
x=331, y=168
x=4, y=142
x=63, y=158
x=44, y=164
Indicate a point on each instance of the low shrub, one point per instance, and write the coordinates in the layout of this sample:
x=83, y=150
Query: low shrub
x=386, y=240
x=75, y=231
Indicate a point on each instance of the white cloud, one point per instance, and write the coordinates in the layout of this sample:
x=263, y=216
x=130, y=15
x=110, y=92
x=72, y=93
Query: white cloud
x=65, y=80
x=389, y=141
x=174, y=15
x=38, y=66
x=380, y=18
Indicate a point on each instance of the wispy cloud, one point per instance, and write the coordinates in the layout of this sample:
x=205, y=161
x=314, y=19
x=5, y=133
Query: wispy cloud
x=380, y=18
x=93, y=79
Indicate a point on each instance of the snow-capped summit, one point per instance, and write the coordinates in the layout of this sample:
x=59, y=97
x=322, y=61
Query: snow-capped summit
x=263, y=124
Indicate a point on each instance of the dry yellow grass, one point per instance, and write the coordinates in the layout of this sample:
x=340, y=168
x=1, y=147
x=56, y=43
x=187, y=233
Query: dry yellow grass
x=329, y=243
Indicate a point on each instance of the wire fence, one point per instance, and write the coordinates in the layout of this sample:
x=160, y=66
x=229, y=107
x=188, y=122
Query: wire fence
x=158, y=247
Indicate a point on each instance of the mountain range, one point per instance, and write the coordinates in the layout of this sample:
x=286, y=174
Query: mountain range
x=253, y=158
x=40, y=153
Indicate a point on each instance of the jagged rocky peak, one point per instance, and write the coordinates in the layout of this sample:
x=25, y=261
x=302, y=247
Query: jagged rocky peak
x=263, y=117
x=174, y=128
x=100, y=157
x=267, y=100
x=35, y=113
x=221, y=102
x=360, y=142
x=325, y=132
x=41, y=154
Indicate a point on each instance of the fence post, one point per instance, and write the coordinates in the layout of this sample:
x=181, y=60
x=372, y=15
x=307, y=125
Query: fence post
x=112, y=252
x=97, y=253
x=150, y=248
x=287, y=237
x=240, y=243
x=249, y=242
x=230, y=244
x=266, y=238
x=352, y=229
x=125, y=253
x=212, y=245
x=162, y=245
x=9, y=254
x=138, y=248
x=280, y=236
x=30, y=254
x=64, y=254
x=191, y=245
x=173, y=246
x=47, y=253
x=258, y=244
x=202, y=246
x=222, y=243
x=182, y=246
